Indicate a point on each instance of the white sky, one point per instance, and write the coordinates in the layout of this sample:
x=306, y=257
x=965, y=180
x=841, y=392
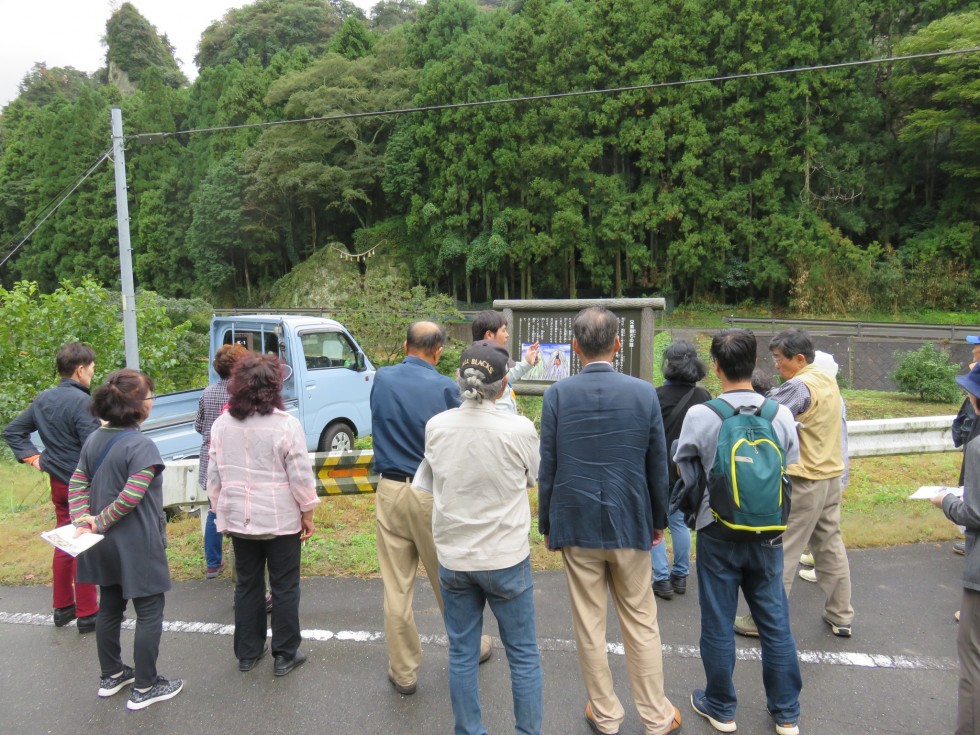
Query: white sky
x=68, y=32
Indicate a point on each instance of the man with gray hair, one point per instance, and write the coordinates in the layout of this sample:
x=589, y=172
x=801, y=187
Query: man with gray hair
x=603, y=503
x=482, y=462
x=404, y=397
x=812, y=396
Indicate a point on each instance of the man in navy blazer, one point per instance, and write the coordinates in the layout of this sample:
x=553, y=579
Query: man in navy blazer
x=603, y=503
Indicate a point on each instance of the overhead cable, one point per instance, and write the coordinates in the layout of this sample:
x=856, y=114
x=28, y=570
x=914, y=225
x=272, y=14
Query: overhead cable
x=562, y=95
x=78, y=182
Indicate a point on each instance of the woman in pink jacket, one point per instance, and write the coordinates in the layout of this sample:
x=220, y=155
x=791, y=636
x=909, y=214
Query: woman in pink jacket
x=261, y=486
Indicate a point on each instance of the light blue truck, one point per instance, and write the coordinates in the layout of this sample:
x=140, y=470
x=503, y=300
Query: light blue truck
x=328, y=390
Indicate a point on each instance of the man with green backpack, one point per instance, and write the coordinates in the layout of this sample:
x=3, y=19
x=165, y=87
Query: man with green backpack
x=738, y=446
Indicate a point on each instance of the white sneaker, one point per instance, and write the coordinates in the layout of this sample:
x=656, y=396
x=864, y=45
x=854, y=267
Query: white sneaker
x=808, y=574
x=806, y=559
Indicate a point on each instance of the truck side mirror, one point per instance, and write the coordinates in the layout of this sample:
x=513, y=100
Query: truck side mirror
x=359, y=362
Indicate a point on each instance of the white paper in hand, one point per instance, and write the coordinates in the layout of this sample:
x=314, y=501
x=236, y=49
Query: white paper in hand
x=63, y=538
x=927, y=492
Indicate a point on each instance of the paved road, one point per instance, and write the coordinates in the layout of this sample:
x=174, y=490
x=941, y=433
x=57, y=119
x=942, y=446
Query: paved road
x=897, y=675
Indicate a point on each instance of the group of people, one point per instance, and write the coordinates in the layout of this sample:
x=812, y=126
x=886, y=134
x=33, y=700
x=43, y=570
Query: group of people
x=106, y=478
x=455, y=462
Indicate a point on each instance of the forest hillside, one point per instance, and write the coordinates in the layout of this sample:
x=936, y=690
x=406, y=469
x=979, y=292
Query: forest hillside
x=836, y=189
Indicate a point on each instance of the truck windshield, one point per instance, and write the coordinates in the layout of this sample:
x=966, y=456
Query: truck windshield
x=266, y=342
x=327, y=350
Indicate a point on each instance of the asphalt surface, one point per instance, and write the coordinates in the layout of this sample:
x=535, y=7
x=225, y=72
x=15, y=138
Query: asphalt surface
x=898, y=674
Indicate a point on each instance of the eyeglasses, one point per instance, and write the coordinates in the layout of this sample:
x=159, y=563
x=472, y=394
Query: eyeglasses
x=149, y=397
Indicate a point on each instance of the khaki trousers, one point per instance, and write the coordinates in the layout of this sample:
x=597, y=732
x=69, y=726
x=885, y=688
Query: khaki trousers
x=404, y=536
x=626, y=575
x=814, y=519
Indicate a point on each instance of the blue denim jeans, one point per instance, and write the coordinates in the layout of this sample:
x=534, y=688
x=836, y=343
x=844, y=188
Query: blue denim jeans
x=680, y=539
x=212, y=542
x=510, y=594
x=756, y=567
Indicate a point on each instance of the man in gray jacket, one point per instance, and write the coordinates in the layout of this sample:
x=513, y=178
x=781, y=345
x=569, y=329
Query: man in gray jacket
x=965, y=511
x=726, y=565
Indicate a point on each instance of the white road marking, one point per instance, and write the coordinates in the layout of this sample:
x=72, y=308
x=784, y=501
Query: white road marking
x=825, y=658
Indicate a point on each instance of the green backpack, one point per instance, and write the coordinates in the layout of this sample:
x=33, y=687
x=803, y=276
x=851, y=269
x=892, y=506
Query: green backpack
x=748, y=488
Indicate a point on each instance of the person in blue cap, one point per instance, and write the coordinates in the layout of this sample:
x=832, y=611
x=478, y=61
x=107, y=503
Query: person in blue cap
x=965, y=511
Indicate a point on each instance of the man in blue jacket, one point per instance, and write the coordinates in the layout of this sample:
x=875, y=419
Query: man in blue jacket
x=404, y=397
x=61, y=416
x=603, y=502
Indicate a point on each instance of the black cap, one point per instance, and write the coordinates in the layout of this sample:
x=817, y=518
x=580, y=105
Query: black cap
x=486, y=357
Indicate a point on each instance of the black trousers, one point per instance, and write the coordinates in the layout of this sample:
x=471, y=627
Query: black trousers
x=146, y=644
x=282, y=555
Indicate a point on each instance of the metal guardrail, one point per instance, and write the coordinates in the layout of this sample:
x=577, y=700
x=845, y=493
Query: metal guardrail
x=885, y=437
x=954, y=332
x=350, y=473
x=336, y=473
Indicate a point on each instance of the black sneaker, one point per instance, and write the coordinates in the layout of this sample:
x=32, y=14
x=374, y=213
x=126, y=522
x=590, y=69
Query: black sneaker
x=663, y=589
x=679, y=584
x=160, y=691
x=109, y=685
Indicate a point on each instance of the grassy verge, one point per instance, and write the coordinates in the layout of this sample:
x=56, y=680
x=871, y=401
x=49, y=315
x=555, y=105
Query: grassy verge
x=876, y=512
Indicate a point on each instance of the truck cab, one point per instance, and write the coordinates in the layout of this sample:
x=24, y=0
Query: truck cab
x=328, y=386
x=329, y=383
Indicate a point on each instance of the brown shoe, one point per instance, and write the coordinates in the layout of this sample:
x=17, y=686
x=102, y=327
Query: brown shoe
x=675, y=726
x=486, y=649
x=405, y=689
x=593, y=724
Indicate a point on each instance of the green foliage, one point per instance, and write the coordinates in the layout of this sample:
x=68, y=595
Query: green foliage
x=353, y=40
x=36, y=325
x=133, y=47
x=928, y=374
x=266, y=27
x=835, y=191
x=379, y=313
x=42, y=84
x=389, y=14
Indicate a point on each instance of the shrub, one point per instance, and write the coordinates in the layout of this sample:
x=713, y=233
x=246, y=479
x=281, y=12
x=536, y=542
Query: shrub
x=928, y=374
x=35, y=325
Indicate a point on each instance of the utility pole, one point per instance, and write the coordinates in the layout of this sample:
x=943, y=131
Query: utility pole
x=125, y=250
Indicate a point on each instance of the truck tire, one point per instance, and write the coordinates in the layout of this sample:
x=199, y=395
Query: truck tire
x=337, y=438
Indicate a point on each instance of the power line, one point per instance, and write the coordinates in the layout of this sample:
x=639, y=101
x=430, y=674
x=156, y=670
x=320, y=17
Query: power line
x=156, y=137
x=78, y=182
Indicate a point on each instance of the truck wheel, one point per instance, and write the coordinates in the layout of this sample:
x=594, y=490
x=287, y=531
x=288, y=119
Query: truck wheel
x=337, y=438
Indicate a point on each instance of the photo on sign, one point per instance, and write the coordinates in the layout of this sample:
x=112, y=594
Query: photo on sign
x=553, y=364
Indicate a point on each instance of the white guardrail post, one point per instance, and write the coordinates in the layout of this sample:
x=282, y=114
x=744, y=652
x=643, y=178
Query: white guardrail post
x=349, y=473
